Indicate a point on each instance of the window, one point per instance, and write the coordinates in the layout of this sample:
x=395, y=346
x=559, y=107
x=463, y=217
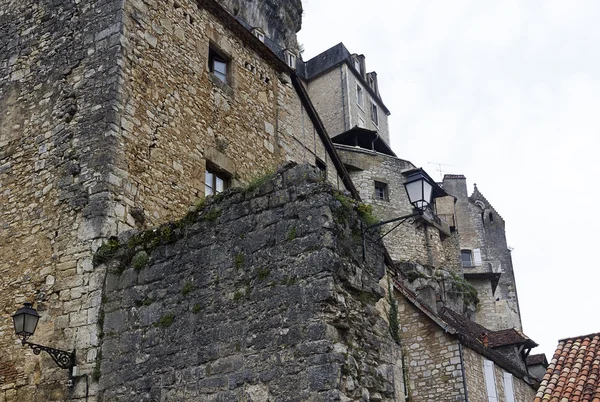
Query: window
x=357, y=65
x=509, y=389
x=259, y=34
x=218, y=64
x=490, y=380
x=471, y=258
x=359, y=96
x=290, y=58
x=381, y=191
x=374, y=116
x=465, y=257
x=215, y=182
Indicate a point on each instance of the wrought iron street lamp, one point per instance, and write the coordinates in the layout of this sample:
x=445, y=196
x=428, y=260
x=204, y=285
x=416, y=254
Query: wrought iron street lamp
x=25, y=321
x=419, y=189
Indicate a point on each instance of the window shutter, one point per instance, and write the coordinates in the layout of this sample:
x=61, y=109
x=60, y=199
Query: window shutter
x=490, y=382
x=477, y=257
x=509, y=390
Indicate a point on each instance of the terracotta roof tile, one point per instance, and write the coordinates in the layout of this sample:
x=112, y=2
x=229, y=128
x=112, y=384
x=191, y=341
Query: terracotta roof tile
x=574, y=372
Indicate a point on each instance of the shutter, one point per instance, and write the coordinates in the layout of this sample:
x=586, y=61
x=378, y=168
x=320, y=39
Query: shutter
x=477, y=257
x=490, y=382
x=509, y=389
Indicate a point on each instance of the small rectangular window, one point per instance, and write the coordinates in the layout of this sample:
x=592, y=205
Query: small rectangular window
x=359, y=95
x=381, y=191
x=259, y=34
x=466, y=258
x=218, y=64
x=374, y=116
x=215, y=182
x=290, y=59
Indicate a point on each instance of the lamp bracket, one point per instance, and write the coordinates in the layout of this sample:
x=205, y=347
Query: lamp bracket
x=402, y=219
x=64, y=359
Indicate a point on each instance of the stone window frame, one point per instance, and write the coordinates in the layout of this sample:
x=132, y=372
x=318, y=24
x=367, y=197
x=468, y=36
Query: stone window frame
x=215, y=175
x=381, y=191
x=216, y=55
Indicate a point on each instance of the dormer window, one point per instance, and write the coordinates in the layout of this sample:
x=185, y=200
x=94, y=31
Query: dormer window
x=357, y=65
x=259, y=34
x=290, y=59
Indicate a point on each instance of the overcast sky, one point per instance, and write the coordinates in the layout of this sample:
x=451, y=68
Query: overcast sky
x=508, y=94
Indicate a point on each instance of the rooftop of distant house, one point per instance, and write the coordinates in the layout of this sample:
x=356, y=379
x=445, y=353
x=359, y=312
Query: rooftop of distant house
x=574, y=372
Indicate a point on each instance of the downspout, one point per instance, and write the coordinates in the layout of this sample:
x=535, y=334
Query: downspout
x=346, y=115
x=462, y=369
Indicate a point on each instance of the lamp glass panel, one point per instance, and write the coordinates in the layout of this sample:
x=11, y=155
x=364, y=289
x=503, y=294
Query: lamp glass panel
x=19, y=321
x=30, y=323
x=415, y=192
x=427, y=188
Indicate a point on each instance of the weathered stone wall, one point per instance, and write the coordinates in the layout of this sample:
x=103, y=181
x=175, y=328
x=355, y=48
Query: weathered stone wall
x=178, y=116
x=280, y=20
x=432, y=357
x=327, y=93
x=476, y=380
x=59, y=75
x=413, y=242
x=259, y=296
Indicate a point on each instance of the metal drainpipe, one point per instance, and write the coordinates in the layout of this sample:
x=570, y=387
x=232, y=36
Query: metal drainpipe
x=462, y=368
x=346, y=115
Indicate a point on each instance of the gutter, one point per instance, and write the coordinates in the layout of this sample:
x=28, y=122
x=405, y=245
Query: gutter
x=462, y=368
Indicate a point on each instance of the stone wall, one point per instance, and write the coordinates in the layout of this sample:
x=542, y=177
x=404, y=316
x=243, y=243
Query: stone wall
x=328, y=95
x=98, y=137
x=481, y=227
x=476, y=381
x=414, y=241
x=178, y=116
x=59, y=76
x=261, y=295
x=432, y=357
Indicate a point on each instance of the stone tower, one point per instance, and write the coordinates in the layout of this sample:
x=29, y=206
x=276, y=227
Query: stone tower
x=486, y=258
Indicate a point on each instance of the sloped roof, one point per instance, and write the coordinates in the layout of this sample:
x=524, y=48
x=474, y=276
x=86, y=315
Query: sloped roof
x=574, y=372
x=466, y=331
x=540, y=358
x=508, y=337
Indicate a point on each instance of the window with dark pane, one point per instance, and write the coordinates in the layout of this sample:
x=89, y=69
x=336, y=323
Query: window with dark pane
x=215, y=182
x=466, y=258
x=218, y=64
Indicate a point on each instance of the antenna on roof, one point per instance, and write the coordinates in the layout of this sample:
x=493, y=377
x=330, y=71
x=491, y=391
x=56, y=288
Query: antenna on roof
x=439, y=168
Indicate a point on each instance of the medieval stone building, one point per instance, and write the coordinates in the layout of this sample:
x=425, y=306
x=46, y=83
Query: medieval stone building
x=121, y=116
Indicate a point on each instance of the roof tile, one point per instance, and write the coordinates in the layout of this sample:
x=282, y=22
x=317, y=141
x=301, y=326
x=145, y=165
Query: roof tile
x=574, y=372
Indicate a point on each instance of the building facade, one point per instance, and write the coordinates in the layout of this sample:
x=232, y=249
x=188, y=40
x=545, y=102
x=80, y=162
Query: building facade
x=120, y=115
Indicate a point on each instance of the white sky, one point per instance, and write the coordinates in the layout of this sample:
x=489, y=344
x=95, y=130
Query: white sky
x=508, y=94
